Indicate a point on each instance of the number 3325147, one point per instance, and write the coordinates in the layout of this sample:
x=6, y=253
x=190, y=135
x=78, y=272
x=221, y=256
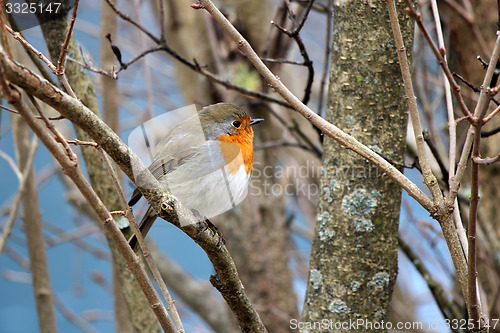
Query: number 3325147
x=32, y=8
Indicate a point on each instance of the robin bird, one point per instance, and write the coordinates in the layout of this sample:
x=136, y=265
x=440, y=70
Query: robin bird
x=209, y=175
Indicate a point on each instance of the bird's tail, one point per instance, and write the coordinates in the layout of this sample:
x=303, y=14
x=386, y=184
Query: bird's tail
x=146, y=224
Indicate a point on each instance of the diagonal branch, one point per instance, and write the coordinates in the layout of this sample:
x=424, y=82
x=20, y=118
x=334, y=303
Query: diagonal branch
x=439, y=54
x=64, y=47
x=429, y=178
x=149, y=260
x=474, y=305
x=17, y=200
x=441, y=214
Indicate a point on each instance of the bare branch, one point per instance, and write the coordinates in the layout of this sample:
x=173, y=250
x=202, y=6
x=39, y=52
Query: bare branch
x=133, y=223
x=17, y=200
x=441, y=213
x=429, y=178
x=439, y=54
x=486, y=160
x=474, y=304
x=307, y=61
x=10, y=161
x=449, y=309
x=64, y=47
x=131, y=21
x=326, y=59
x=19, y=37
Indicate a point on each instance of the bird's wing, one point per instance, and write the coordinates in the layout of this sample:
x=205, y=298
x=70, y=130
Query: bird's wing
x=162, y=166
x=212, y=155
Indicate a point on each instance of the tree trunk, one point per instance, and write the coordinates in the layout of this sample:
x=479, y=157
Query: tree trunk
x=54, y=32
x=353, y=264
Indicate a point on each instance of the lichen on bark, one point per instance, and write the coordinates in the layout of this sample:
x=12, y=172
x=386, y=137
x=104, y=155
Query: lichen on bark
x=359, y=206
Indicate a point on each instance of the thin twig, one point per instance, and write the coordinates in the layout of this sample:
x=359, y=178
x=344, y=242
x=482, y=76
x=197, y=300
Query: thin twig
x=474, y=305
x=452, y=136
x=59, y=137
x=439, y=54
x=72, y=317
x=461, y=166
x=486, y=134
x=193, y=65
x=481, y=104
x=17, y=200
x=19, y=37
x=296, y=131
x=73, y=235
x=437, y=156
x=62, y=76
x=491, y=115
x=472, y=302
x=139, y=57
x=64, y=47
x=449, y=309
x=317, y=6
x=486, y=160
x=400, y=164
x=307, y=61
x=284, y=61
x=440, y=211
x=64, y=80
x=133, y=22
x=10, y=161
x=282, y=143
x=462, y=234
x=79, y=242
x=326, y=59
x=300, y=25
x=452, y=133
x=133, y=223
x=34, y=58
x=294, y=126
x=252, y=93
x=77, y=142
x=111, y=74
x=3, y=22
x=429, y=177
x=162, y=21
x=471, y=86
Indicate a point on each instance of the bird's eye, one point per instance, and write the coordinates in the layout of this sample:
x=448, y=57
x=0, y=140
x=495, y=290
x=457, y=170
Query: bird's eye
x=237, y=123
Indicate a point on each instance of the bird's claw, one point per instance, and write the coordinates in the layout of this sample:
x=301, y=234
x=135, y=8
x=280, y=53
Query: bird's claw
x=206, y=224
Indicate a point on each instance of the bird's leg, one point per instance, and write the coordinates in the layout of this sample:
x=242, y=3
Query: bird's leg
x=216, y=232
x=206, y=224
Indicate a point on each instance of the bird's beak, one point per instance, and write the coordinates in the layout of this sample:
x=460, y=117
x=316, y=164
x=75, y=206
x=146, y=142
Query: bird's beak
x=255, y=121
